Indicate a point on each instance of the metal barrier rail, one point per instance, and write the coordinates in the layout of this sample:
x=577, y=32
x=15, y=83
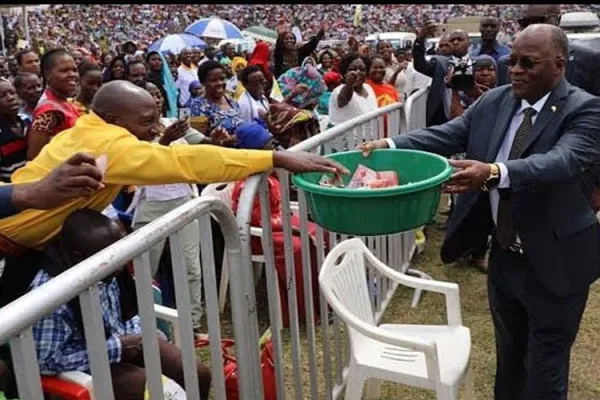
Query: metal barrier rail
x=19, y=316
x=394, y=250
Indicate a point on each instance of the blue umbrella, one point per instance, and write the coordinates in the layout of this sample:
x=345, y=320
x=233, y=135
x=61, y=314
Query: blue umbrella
x=215, y=27
x=175, y=43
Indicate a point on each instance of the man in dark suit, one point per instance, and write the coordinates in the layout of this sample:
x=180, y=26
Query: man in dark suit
x=439, y=98
x=583, y=64
x=529, y=148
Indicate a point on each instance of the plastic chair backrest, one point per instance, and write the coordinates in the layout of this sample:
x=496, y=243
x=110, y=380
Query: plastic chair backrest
x=222, y=191
x=344, y=275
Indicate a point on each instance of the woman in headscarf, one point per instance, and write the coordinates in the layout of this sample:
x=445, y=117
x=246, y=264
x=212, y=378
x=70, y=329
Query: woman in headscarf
x=306, y=77
x=116, y=69
x=326, y=61
x=196, y=90
x=54, y=113
x=160, y=75
x=385, y=92
x=332, y=80
x=261, y=56
x=233, y=86
x=288, y=55
x=254, y=136
x=394, y=69
x=354, y=97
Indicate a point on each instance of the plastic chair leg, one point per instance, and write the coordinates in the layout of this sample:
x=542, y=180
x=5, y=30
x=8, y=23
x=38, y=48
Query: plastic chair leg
x=373, y=390
x=354, y=385
x=446, y=393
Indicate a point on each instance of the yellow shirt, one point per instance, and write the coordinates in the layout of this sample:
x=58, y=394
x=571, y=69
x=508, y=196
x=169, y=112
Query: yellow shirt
x=130, y=162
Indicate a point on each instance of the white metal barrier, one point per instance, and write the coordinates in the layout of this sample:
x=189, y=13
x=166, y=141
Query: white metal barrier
x=19, y=316
x=415, y=109
x=327, y=373
x=326, y=377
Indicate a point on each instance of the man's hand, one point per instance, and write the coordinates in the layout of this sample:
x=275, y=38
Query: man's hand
x=427, y=31
x=76, y=177
x=471, y=176
x=174, y=132
x=220, y=137
x=131, y=348
x=306, y=162
x=402, y=66
x=368, y=147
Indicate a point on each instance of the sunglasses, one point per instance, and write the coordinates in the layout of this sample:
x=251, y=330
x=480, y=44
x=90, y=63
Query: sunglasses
x=524, y=62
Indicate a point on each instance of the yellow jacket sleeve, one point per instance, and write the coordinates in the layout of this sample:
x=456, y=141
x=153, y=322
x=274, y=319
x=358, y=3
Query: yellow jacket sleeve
x=134, y=162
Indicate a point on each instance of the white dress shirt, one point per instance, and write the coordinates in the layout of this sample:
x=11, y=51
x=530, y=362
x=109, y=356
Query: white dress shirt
x=504, y=151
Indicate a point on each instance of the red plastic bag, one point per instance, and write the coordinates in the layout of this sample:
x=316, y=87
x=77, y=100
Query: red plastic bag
x=230, y=369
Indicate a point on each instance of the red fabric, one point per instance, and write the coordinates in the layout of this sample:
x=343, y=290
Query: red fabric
x=56, y=386
x=50, y=102
x=260, y=56
x=279, y=250
x=332, y=77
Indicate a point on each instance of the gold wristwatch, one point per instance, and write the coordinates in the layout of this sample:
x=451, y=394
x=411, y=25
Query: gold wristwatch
x=493, y=179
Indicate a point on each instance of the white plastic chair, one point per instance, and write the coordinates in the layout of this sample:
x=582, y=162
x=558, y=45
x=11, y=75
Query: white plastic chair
x=435, y=357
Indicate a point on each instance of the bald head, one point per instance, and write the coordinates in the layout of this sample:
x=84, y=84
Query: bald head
x=130, y=96
x=444, y=45
x=129, y=106
x=537, y=61
x=185, y=56
x=545, y=35
x=539, y=14
x=459, y=42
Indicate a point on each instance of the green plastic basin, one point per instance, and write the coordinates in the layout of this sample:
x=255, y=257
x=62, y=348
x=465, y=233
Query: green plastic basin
x=369, y=212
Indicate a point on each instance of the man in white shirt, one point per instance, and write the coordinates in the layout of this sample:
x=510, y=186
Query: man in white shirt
x=187, y=73
x=531, y=151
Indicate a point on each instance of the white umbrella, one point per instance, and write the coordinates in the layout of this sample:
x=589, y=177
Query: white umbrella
x=215, y=27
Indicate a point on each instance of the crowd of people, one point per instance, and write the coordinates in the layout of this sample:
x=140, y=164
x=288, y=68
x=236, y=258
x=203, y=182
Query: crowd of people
x=238, y=112
x=97, y=27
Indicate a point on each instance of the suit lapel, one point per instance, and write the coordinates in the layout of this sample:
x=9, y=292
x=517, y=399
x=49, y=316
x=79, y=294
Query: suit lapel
x=507, y=110
x=549, y=111
x=570, y=66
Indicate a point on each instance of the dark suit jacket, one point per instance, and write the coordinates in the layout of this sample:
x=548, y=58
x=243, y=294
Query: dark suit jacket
x=582, y=70
x=436, y=68
x=551, y=205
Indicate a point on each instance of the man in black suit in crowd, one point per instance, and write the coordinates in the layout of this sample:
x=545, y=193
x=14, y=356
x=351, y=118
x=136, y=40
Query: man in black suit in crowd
x=440, y=96
x=583, y=64
x=529, y=149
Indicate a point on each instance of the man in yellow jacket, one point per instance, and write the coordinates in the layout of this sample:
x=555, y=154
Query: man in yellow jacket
x=122, y=122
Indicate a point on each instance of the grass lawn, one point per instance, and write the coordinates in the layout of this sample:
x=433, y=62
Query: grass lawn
x=585, y=362
x=584, y=382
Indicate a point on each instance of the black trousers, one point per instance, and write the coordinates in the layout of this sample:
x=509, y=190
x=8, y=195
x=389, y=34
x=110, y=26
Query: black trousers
x=534, y=329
